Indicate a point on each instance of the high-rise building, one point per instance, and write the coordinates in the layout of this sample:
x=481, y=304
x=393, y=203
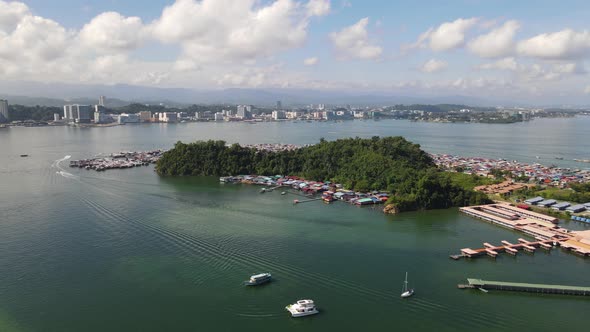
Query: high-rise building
x=218, y=116
x=82, y=113
x=56, y=117
x=68, y=113
x=145, y=116
x=102, y=100
x=4, y=115
x=244, y=112
x=279, y=105
x=278, y=115
x=168, y=117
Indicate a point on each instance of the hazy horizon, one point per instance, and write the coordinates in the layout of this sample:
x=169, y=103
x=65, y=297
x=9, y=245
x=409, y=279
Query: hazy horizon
x=496, y=53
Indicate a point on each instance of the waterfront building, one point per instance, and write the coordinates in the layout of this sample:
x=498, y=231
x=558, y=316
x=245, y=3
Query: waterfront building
x=244, y=112
x=128, y=118
x=56, y=117
x=145, y=116
x=99, y=108
x=83, y=113
x=278, y=115
x=293, y=114
x=328, y=115
x=101, y=117
x=359, y=114
x=218, y=116
x=4, y=115
x=168, y=117
x=68, y=114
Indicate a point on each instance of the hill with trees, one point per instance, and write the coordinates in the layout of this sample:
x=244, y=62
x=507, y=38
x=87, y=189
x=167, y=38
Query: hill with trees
x=391, y=163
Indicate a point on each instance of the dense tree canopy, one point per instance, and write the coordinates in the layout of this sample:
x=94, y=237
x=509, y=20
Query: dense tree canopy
x=391, y=163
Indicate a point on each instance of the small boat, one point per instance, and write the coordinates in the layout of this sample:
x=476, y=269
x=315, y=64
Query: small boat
x=302, y=308
x=284, y=193
x=24, y=155
x=405, y=291
x=258, y=279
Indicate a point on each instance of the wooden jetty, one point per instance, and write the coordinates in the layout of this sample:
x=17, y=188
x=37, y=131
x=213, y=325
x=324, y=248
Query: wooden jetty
x=525, y=287
x=507, y=247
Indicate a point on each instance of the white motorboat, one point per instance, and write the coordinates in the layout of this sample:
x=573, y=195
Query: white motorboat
x=302, y=308
x=405, y=291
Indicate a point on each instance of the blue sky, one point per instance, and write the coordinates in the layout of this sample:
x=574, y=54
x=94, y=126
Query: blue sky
x=499, y=49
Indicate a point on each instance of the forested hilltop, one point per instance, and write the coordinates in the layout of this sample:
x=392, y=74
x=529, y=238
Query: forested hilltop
x=391, y=163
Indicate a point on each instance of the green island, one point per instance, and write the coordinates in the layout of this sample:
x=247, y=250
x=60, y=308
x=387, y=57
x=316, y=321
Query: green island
x=392, y=164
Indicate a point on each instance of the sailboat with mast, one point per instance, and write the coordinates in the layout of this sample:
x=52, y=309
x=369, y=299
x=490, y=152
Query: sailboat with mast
x=407, y=292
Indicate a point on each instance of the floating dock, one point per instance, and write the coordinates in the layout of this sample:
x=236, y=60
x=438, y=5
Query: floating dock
x=524, y=287
x=547, y=235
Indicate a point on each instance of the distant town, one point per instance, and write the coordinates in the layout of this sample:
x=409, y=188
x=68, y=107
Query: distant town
x=101, y=115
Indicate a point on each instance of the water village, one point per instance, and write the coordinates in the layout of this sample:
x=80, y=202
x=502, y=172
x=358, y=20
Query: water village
x=309, y=190
x=536, y=173
x=119, y=160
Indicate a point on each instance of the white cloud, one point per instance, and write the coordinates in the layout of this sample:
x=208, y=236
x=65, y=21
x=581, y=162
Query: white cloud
x=311, y=61
x=34, y=40
x=447, y=36
x=218, y=30
x=570, y=68
x=10, y=14
x=502, y=64
x=497, y=43
x=353, y=41
x=111, y=31
x=565, y=44
x=433, y=65
x=535, y=72
x=318, y=7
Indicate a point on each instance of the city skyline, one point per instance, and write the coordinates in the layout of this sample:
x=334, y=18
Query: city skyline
x=498, y=51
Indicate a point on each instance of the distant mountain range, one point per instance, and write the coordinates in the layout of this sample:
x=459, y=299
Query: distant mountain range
x=57, y=94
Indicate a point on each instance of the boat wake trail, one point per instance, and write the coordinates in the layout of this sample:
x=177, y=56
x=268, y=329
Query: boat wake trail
x=68, y=175
x=59, y=161
x=61, y=171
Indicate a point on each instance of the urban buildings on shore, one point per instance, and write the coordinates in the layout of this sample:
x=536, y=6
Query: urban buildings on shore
x=4, y=115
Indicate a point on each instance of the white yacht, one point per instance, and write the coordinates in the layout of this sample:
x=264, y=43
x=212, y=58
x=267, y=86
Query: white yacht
x=405, y=291
x=302, y=308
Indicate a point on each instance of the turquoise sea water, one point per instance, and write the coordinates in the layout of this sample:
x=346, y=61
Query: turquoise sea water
x=126, y=250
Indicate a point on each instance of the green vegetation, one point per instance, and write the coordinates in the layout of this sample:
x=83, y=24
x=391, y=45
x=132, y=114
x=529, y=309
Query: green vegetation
x=37, y=113
x=390, y=163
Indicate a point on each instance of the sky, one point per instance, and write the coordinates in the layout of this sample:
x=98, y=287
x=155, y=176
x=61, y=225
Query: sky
x=529, y=50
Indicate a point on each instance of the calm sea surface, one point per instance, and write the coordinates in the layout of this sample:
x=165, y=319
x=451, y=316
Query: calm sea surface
x=126, y=250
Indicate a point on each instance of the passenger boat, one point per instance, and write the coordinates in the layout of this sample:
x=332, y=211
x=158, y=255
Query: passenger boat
x=258, y=279
x=302, y=308
x=405, y=291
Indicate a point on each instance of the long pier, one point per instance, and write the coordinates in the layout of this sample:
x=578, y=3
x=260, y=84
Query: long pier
x=525, y=287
